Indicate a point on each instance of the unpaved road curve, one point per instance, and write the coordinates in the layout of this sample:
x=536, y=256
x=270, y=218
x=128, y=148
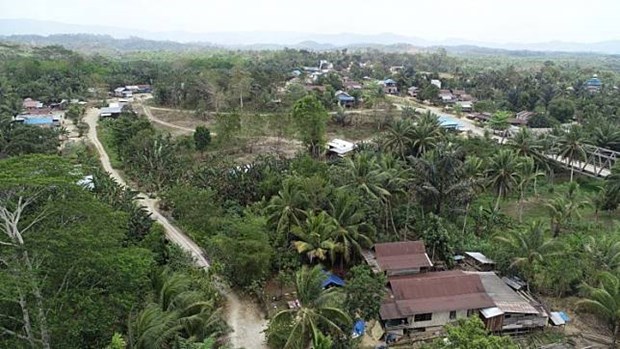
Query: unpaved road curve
x=243, y=316
x=147, y=111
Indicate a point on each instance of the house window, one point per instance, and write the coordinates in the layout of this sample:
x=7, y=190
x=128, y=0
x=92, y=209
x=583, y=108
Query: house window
x=453, y=315
x=422, y=317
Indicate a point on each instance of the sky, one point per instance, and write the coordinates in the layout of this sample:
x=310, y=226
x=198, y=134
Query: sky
x=499, y=21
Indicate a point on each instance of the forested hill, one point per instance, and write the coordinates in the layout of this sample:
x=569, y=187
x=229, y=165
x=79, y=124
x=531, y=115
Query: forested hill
x=106, y=44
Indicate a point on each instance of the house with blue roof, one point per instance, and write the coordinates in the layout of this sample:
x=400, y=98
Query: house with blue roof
x=345, y=99
x=389, y=87
x=593, y=84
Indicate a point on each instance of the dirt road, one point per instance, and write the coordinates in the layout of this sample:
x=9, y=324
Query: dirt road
x=243, y=316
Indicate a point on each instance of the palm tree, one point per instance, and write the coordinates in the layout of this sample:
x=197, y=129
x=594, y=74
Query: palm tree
x=363, y=174
x=288, y=206
x=315, y=237
x=606, y=135
x=528, y=173
x=319, y=312
x=524, y=143
x=439, y=180
x=177, y=311
x=604, y=251
x=397, y=138
x=529, y=248
x=499, y=122
x=473, y=171
x=502, y=173
x=426, y=134
x=562, y=209
x=571, y=147
x=352, y=232
x=603, y=300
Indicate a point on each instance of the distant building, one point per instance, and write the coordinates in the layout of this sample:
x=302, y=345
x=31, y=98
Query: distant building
x=389, y=87
x=413, y=91
x=344, y=99
x=45, y=121
x=466, y=107
x=30, y=104
x=118, y=92
x=436, y=83
x=594, y=84
x=479, y=261
x=446, y=97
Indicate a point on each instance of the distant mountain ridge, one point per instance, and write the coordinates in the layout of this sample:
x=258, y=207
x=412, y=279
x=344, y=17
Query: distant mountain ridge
x=274, y=40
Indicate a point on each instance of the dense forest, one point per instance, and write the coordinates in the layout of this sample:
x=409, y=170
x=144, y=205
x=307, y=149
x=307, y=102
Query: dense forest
x=85, y=267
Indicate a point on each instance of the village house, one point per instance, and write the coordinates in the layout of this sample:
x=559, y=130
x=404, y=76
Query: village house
x=398, y=258
x=30, y=104
x=413, y=91
x=479, y=261
x=44, y=121
x=446, y=97
x=429, y=301
x=525, y=115
x=389, y=87
x=395, y=69
x=351, y=85
x=436, y=83
x=466, y=106
x=593, y=84
x=345, y=100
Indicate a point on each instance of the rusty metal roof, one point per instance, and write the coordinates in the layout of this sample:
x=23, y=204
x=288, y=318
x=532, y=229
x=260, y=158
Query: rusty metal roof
x=402, y=255
x=433, y=292
x=504, y=297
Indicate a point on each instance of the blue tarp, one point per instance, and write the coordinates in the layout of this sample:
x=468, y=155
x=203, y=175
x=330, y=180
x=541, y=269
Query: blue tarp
x=358, y=328
x=332, y=280
x=564, y=316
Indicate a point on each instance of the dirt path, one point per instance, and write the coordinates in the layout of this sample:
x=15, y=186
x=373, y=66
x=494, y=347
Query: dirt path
x=243, y=316
x=147, y=111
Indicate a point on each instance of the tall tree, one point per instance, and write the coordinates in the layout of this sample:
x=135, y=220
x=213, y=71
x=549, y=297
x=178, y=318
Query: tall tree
x=502, y=173
x=571, y=147
x=311, y=119
x=315, y=237
x=320, y=312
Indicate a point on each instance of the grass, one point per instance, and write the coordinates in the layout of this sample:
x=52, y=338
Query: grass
x=105, y=137
x=534, y=206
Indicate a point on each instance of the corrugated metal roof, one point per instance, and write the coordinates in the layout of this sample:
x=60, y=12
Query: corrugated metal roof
x=433, y=292
x=504, y=297
x=402, y=255
x=399, y=248
x=491, y=312
x=480, y=257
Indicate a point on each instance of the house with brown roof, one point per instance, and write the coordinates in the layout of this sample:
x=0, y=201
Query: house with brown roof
x=30, y=104
x=399, y=258
x=428, y=301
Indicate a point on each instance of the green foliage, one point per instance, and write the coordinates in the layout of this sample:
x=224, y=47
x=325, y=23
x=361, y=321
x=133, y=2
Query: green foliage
x=429, y=93
x=311, y=119
x=321, y=312
x=470, y=334
x=118, y=342
x=242, y=244
x=561, y=109
x=202, y=138
x=603, y=300
x=364, y=292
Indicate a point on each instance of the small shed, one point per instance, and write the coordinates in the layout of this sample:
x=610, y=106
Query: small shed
x=479, y=261
x=340, y=147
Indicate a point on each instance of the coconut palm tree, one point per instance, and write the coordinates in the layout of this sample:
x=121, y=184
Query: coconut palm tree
x=397, y=138
x=563, y=209
x=352, y=233
x=315, y=237
x=604, y=252
x=364, y=175
x=473, y=169
x=529, y=248
x=426, y=134
x=603, y=300
x=502, y=173
x=524, y=143
x=528, y=174
x=571, y=147
x=287, y=207
x=177, y=311
x=439, y=180
x=606, y=135
x=320, y=312
x=499, y=122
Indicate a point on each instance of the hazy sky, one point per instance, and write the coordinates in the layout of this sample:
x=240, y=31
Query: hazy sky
x=484, y=20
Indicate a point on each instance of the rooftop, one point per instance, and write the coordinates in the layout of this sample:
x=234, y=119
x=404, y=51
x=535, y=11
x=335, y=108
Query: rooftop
x=505, y=299
x=434, y=292
x=479, y=257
